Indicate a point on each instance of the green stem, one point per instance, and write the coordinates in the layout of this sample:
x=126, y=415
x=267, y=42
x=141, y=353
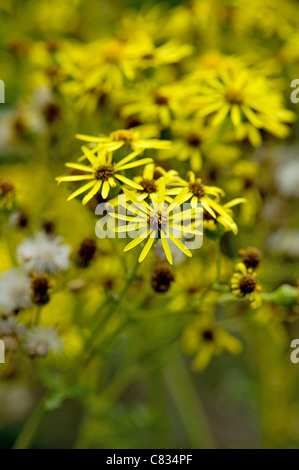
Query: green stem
x=38, y=315
x=218, y=260
x=7, y=235
x=30, y=427
x=188, y=405
x=93, y=345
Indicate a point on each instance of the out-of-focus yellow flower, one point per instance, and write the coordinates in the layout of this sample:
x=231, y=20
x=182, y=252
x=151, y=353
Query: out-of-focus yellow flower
x=146, y=54
x=246, y=101
x=203, y=338
x=124, y=138
x=191, y=280
x=244, y=284
x=194, y=141
x=153, y=104
x=244, y=181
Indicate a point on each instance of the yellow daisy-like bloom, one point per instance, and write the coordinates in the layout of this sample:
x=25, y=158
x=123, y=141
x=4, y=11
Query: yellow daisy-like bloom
x=247, y=101
x=149, y=179
x=152, y=104
x=244, y=284
x=210, y=223
x=156, y=222
x=209, y=197
x=108, y=62
x=146, y=54
x=192, y=279
x=124, y=138
x=194, y=141
x=103, y=173
x=204, y=339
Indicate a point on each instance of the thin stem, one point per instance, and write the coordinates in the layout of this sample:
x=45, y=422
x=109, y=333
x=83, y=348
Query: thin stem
x=30, y=427
x=99, y=327
x=38, y=315
x=218, y=261
x=188, y=405
x=7, y=235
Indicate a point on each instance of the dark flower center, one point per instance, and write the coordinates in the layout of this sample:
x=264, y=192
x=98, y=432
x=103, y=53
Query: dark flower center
x=104, y=172
x=197, y=189
x=6, y=187
x=51, y=112
x=86, y=252
x=208, y=335
x=247, y=284
x=148, y=56
x=160, y=100
x=251, y=257
x=157, y=220
x=162, y=278
x=123, y=135
x=194, y=140
x=40, y=285
x=234, y=96
x=149, y=186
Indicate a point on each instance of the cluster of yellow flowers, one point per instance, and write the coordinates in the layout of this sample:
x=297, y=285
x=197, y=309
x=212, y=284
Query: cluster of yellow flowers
x=177, y=113
x=105, y=175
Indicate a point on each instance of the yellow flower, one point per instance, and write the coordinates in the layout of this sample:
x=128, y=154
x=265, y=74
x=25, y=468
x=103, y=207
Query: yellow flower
x=146, y=54
x=203, y=338
x=108, y=62
x=102, y=174
x=244, y=284
x=149, y=179
x=209, y=197
x=191, y=280
x=153, y=104
x=226, y=221
x=194, y=141
x=124, y=138
x=247, y=101
x=156, y=222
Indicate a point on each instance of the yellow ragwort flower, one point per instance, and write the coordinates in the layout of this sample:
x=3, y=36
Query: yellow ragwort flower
x=156, y=221
x=103, y=173
x=244, y=284
x=124, y=138
x=209, y=197
x=203, y=338
x=247, y=101
x=149, y=179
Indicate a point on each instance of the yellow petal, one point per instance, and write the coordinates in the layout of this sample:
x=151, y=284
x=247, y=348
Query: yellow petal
x=180, y=245
x=136, y=241
x=90, y=195
x=105, y=189
x=147, y=247
x=81, y=190
x=166, y=248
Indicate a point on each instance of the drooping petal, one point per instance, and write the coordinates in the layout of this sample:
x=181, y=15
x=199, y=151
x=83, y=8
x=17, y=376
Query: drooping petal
x=147, y=246
x=81, y=190
x=136, y=241
x=180, y=245
x=92, y=193
x=166, y=248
